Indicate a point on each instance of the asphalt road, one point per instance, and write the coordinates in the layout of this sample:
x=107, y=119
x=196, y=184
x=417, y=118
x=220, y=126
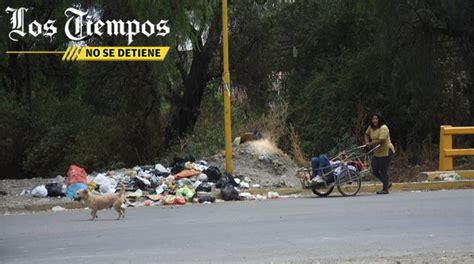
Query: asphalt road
x=427, y=226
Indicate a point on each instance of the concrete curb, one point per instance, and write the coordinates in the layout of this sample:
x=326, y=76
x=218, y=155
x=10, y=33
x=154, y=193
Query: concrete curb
x=372, y=187
x=423, y=186
x=41, y=207
x=436, y=175
x=366, y=188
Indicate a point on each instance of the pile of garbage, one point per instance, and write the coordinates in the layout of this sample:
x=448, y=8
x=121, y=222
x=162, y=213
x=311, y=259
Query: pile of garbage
x=449, y=176
x=261, y=163
x=185, y=180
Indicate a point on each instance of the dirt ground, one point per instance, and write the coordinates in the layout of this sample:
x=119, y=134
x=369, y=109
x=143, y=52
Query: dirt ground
x=14, y=202
x=262, y=163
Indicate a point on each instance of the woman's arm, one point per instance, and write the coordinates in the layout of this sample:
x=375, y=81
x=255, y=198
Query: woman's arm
x=367, y=135
x=367, y=139
x=375, y=142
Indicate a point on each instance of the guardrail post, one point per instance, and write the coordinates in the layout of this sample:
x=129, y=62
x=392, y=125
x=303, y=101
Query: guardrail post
x=445, y=142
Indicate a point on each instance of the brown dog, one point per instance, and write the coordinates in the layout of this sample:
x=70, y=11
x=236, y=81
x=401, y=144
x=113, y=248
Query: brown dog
x=99, y=202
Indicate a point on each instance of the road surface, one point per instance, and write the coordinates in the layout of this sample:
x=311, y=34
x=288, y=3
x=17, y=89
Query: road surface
x=404, y=226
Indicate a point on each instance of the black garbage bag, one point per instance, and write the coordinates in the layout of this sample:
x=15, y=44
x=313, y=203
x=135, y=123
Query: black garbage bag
x=158, y=173
x=204, y=187
x=140, y=184
x=222, y=182
x=189, y=157
x=206, y=197
x=177, y=168
x=54, y=189
x=226, y=180
x=213, y=174
x=182, y=160
x=147, y=167
x=229, y=193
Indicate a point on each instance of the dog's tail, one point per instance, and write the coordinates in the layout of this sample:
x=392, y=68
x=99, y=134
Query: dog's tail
x=122, y=190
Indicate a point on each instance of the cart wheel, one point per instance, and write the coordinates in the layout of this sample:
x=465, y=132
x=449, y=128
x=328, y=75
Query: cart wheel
x=322, y=190
x=348, y=183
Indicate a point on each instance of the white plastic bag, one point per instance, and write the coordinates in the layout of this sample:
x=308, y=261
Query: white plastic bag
x=105, y=183
x=161, y=168
x=40, y=191
x=101, y=179
x=244, y=185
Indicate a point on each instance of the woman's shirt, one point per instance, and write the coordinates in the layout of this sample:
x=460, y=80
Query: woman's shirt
x=381, y=133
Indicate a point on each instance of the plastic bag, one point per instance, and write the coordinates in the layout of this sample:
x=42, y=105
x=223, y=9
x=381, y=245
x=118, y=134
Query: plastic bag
x=213, y=174
x=206, y=197
x=179, y=200
x=229, y=193
x=54, y=189
x=141, y=183
x=106, y=189
x=224, y=181
x=202, y=177
x=105, y=185
x=101, y=179
x=186, y=174
x=73, y=188
x=177, y=168
x=244, y=185
x=273, y=195
x=168, y=199
x=204, y=187
x=76, y=174
x=40, y=191
x=186, y=193
x=161, y=168
x=161, y=189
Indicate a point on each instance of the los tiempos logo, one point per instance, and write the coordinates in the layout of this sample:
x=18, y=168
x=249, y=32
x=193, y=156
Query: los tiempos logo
x=80, y=26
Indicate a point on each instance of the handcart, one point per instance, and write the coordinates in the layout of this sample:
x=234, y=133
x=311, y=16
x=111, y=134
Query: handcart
x=345, y=172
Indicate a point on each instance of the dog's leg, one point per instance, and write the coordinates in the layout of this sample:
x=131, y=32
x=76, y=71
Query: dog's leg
x=119, y=211
x=94, y=214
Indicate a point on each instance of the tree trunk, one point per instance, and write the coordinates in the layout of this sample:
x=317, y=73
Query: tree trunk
x=186, y=107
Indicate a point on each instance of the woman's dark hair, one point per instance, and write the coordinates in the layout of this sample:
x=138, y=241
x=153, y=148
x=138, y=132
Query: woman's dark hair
x=381, y=120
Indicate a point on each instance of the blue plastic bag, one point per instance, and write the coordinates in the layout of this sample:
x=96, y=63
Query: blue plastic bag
x=73, y=188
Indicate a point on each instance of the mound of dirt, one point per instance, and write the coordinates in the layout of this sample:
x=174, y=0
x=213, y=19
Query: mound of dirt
x=262, y=163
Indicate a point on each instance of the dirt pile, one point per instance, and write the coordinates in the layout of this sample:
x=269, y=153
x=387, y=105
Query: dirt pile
x=262, y=163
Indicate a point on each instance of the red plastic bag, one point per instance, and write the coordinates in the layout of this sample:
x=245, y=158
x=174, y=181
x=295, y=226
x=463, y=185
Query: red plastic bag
x=179, y=200
x=76, y=174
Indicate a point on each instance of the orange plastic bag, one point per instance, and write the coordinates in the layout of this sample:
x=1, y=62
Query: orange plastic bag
x=186, y=174
x=76, y=174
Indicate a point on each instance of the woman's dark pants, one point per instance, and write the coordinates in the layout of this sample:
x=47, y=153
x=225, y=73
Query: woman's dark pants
x=380, y=168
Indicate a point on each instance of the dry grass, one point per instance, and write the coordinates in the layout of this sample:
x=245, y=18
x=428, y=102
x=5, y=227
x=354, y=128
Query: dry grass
x=264, y=146
x=272, y=125
x=296, y=152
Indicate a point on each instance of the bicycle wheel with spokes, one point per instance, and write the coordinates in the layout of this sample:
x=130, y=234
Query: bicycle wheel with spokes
x=322, y=189
x=348, y=182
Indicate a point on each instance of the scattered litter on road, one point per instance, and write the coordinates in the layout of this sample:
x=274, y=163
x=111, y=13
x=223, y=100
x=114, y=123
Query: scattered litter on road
x=273, y=195
x=148, y=203
x=58, y=209
x=246, y=196
x=450, y=176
